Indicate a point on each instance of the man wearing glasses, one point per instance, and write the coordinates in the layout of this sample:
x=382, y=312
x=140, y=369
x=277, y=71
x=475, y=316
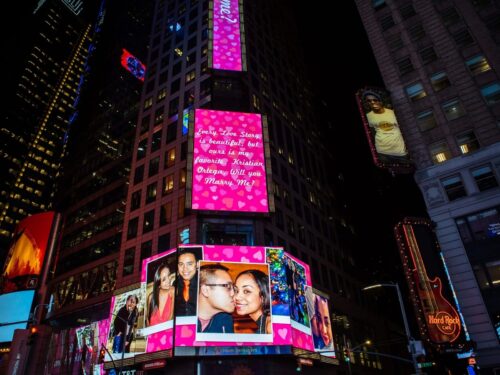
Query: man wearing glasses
x=215, y=300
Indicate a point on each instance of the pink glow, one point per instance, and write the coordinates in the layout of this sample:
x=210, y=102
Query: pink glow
x=229, y=171
x=226, y=36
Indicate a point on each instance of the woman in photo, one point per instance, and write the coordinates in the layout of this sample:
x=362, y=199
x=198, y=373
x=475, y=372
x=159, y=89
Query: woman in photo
x=123, y=325
x=251, y=297
x=161, y=299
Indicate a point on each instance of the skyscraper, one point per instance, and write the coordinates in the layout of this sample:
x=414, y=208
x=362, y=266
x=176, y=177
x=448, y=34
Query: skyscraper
x=440, y=60
x=38, y=114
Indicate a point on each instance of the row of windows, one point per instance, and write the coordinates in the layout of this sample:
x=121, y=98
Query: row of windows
x=483, y=176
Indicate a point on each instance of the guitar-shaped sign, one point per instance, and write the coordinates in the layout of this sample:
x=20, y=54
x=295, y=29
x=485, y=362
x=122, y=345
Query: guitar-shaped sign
x=441, y=318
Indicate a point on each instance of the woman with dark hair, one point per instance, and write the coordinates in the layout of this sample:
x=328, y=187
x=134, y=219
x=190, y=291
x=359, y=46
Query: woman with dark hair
x=251, y=297
x=123, y=325
x=161, y=299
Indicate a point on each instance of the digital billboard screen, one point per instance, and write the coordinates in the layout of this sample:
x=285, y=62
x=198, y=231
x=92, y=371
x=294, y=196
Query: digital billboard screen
x=382, y=128
x=16, y=307
x=321, y=327
x=226, y=41
x=439, y=319
x=229, y=164
x=133, y=65
x=27, y=252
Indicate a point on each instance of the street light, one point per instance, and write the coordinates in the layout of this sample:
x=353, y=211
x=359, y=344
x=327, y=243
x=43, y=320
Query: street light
x=405, y=321
x=348, y=351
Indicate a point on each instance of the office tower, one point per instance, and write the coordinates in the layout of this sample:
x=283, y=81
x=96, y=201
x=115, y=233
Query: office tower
x=44, y=84
x=93, y=187
x=440, y=61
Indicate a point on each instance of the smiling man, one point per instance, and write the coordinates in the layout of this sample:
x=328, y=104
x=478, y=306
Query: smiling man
x=215, y=300
x=187, y=283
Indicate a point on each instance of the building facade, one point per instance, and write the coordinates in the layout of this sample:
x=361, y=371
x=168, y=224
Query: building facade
x=440, y=61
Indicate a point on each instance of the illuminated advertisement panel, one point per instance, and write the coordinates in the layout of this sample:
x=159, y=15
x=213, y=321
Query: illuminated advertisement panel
x=133, y=65
x=382, y=128
x=27, y=252
x=321, y=327
x=229, y=164
x=439, y=320
x=234, y=303
x=125, y=338
x=158, y=276
x=18, y=312
x=226, y=41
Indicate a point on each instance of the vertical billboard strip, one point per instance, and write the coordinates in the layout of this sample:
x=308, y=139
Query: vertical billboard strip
x=438, y=317
x=382, y=129
x=27, y=252
x=226, y=50
x=321, y=325
x=228, y=169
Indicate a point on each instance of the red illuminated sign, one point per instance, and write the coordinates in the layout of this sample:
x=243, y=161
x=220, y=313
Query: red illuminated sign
x=133, y=65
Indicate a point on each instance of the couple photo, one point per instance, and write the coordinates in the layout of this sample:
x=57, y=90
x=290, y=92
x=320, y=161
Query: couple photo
x=233, y=298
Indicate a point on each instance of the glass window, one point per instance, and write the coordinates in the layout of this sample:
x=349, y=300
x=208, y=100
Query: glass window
x=493, y=269
x=426, y=120
x=485, y=224
x=395, y=42
x=145, y=124
x=439, y=81
x=159, y=115
x=463, y=38
x=482, y=280
x=377, y=4
x=454, y=187
x=170, y=158
x=450, y=16
x=407, y=11
x=386, y=22
x=156, y=141
x=128, y=262
x=163, y=242
x=415, y=91
x=491, y=93
x=416, y=31
x=427, y=55
x=440, y=152
x=147, y=225
x=171, y=132
x=166, y=213
x=151, y=193
x=405, y=66
x=175, y=86
x=485, y=178
x=452, y=109
x=146, y=249
x=154, y=166
x=181, y=207
x=182, y=177
x=148, y=103
x=132, y=228
x=138, y=174
x=142, y=148
x=467, y=142
x=135, y=201
x=168, y=184
x=478, y=64
x=463, y=229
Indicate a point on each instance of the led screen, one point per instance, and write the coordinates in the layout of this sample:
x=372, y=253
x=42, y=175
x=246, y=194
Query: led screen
x=229, y=172
x=226, y=36
x=321, y=328
x=382, y=127
x=439, y=319
x=27, y=252
x=133, y=65
x=16, y=309
x=126, y=324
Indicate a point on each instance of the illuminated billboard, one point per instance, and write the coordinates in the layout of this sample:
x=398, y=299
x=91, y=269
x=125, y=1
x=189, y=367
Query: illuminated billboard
x=321, y=327
x=228, y=162
x=225, y=42
x=15, y=312
x=382, y=128
x=435, y=304
x=133, y=65
x=27, y=252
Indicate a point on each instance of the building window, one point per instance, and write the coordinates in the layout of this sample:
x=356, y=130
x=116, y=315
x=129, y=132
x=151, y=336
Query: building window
x=128, y=262
x=163, y=242
x=478, y=64
x=427, y=55
x=171, y=132
x=386, y=22
x=426, y=120
x=377, y=4
x=154, y=166
x=161, y=94
x=142, y=148
x=151, y=193
x=145, y=124
x=450, y=16
x=170, y=158
x=138, y=174
x=407, y=11
x=190, y=76
x=491, y=93
x=147, y=225
x=463, y=38
x=415, y=92
x=181, y=207
x=168, y=184
x=159, y=115
x=135, y=201
x=440, y=152
x=439, y=81
x=452, y=109
x=132, y=228
x=148, y=103
x=166, y=213
x=156, y=141
x=454, y=187
x=467, y=142
x=405, y=66
x=173, y=107
x=480, y=226
x=485, y=178
x=395, y=42
x=416, y=32
x=182, y=177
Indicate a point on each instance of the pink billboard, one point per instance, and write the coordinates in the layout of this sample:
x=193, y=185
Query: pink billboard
x=229, y=171
x=226, y=36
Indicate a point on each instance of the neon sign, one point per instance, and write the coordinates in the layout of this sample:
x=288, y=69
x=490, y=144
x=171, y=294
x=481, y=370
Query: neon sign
x=133, y=65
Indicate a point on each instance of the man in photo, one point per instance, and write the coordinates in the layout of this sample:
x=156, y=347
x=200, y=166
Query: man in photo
x=215, y=300
x=187, y=282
